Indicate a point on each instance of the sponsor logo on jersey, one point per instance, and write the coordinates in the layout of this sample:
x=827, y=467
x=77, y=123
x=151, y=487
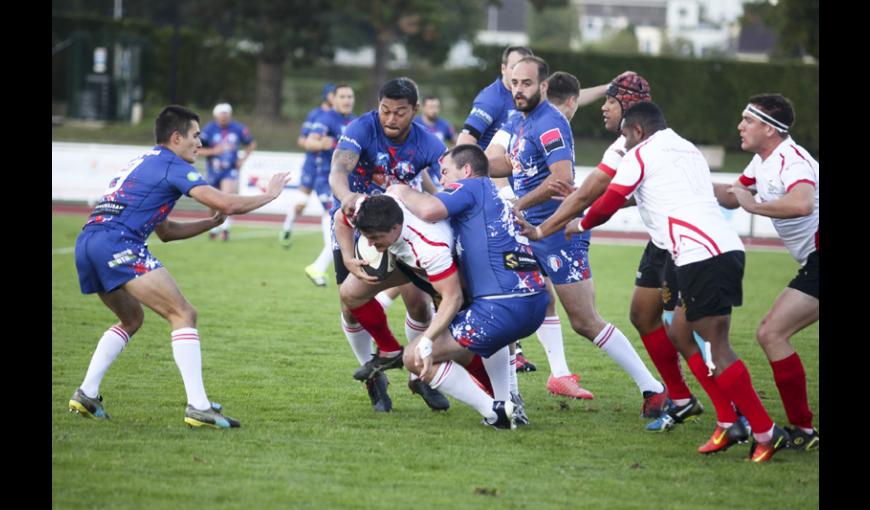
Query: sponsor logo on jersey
x=453, y=186
x=349, y=140
x=552, y=140
x=482, y=114
x=193, y=176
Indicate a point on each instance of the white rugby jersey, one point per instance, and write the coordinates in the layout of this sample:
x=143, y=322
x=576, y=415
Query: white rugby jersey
x=613, y=156
x=425, y=247
x=670, y=180
x=788, y=165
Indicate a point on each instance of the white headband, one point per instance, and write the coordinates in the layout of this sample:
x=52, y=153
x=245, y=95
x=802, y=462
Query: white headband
x=222, y=108
x=767, y=119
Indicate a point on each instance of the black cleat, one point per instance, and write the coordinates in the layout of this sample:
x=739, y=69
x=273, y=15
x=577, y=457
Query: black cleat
x=377, y=365
x=433, y=398
x=802, y=441
x=377, y=388
x=520, y=404
x=505, y=416
x=763, y=452
x=676, y=414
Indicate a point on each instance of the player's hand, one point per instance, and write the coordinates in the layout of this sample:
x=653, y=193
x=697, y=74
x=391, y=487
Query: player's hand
x=354, y=266
x=573, y=227
x=277, y=183
x=532, y=232
x=744, y=197
x=398, y=188
x=561, y=189
x=348, y=205
x=218, y=219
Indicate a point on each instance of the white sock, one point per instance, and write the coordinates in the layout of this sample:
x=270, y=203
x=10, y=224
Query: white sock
x=498, y=369
x=413, y=329
x=186, y=351
x=359, y=339
x=225, y=226
x=291, y=217
x=453, y=380
x=763, y=437
x=326, y=230
x=512, y=373
x=384, y=299
x=550, y=336
x=323, y=260
x=215, y=231
x=109, y=347
x=613, y=342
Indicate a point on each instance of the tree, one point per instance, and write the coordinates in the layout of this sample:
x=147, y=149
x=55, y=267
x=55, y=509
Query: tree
x=428, y=28
x=554, y=27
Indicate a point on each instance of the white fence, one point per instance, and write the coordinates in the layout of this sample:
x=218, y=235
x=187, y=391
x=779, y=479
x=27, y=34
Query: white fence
x=82, y=172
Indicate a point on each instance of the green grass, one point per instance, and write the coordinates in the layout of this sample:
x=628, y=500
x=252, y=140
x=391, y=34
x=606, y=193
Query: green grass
x=275, y=356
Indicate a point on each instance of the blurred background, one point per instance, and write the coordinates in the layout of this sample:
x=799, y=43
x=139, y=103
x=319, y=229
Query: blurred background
x=116, y=63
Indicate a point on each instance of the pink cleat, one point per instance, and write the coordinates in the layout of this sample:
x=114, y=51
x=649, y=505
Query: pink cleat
x=568, y=386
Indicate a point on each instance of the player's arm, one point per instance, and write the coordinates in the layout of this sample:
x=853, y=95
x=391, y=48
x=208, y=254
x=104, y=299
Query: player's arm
x=593, y=186
x=799, y=201
x=230, y=203
x=170, y=230
x=592, y=94
x=344, y=234
x=422, y=205
x=496, y=153
x=561, y=170
x=450, y=289
x=251, y=147
x=343, y=163
x=465, y=137
x=428, y=186
x=301, y=142
x=725, y=197
x=601, y=210
x=315, y=142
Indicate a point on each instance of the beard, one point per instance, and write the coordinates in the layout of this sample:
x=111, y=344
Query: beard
x=531, y=102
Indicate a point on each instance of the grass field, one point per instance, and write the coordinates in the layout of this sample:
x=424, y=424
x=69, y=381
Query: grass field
x=275, y=357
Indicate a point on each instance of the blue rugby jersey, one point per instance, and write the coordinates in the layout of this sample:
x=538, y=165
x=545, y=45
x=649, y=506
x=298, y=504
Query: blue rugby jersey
x=234, y=136
x=492, y=107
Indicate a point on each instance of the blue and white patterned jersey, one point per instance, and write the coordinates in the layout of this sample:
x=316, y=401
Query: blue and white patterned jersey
x=306, y=129
x=539, y=140
x=492, y=107
x=494, y=257
x=329, y=123
x=231, y=138
x=143, y=194
x=382, y=162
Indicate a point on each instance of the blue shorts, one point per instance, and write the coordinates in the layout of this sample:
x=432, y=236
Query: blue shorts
x=490, y=324
x=107, y=259
x=309, y=172
x=323, y=191
x=564, y=260
x=215, y=178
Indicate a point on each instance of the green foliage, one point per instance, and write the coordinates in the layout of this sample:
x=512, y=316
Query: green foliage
x=701, y=98
x=553, y=27
x=275, y=357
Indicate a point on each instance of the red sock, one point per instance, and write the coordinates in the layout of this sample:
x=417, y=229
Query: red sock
x=724, y=410
x=791, y=380
x=737, y=385
x=667, y=361
x=372, y=317
x=478, y=372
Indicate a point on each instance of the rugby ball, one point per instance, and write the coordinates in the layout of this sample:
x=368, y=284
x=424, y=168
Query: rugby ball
x=380, y=265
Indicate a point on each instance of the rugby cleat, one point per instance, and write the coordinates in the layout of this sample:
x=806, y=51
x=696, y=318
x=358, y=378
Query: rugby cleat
x=654, y=404
x=377, y=389
x=722, y=439
x=284, y=238
x=763, y=452
x=800, y=440
x=676, y=414
x=520, y=404
x=209, y=418
x=87, y=406
x=433, y=398
x=377, y=365
x=317, y=278
x=505, y=416
x=524, y=365
x=568, y=386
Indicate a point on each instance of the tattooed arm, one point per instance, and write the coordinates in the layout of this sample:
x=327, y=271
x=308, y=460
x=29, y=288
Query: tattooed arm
x=343, y=163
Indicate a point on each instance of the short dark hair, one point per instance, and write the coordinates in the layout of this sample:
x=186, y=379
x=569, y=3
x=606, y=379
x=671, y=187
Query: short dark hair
x=470, y=154
x=562, y=86
x=342, y=86
x=776, y=105
x=379, y=213
x=400, y=88
x=543, y=67
x=647, y=115
x=522, y=50
x=173, y=118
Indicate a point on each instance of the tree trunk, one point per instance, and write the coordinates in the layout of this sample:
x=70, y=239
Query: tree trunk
x=383, y=40
x=270, y=80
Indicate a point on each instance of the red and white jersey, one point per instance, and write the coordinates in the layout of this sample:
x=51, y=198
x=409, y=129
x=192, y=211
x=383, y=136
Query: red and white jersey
x=670, y=180
x=613, y=157
x=425, y=247
x=788, y=165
